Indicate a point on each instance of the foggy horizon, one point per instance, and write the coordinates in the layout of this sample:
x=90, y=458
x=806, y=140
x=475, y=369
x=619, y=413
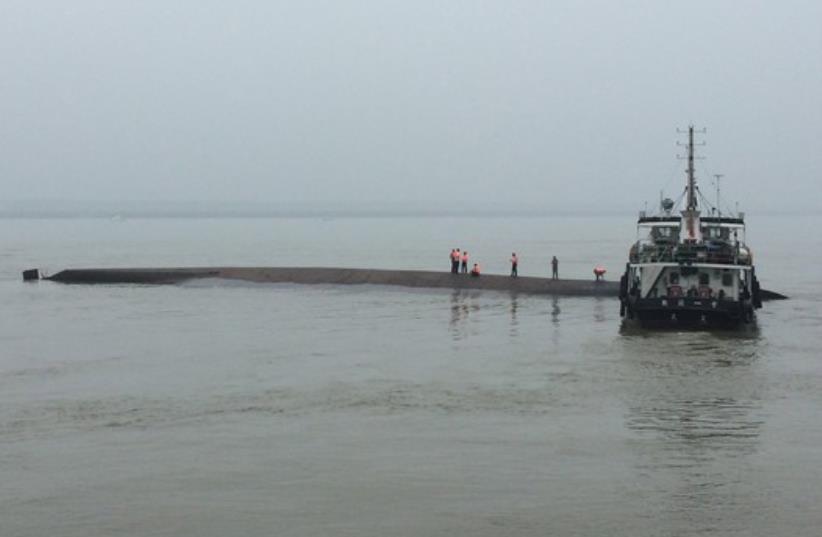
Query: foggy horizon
x=556, y=108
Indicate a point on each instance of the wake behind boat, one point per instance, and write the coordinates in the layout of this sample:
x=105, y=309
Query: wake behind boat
x=689, y=268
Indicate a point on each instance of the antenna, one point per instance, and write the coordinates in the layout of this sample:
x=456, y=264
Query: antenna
x=718, y=206
x=692, y=206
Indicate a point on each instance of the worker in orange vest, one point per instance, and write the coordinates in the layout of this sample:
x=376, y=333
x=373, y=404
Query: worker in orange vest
x=514, y=263
x=475, y=272
x=464, y=266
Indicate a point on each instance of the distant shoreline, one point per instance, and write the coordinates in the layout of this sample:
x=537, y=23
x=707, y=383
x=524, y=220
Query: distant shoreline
x=330, y=214
x=296, y=214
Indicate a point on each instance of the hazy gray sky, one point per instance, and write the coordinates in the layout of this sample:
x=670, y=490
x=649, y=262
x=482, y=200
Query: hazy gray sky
x=554, y=104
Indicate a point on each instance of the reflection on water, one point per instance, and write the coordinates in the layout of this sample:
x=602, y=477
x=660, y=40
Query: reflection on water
x=634, y=328
x=695, y=389
x=555, y=311
x=459, y=310
x=513, y=309
x=599, y=308
x=462, y=304
x=694, y=408
x=684, y=338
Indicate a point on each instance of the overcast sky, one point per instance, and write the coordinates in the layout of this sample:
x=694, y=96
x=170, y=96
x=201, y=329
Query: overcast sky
x=540, y=103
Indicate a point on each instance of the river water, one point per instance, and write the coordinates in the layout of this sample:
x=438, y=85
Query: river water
x=215, y=408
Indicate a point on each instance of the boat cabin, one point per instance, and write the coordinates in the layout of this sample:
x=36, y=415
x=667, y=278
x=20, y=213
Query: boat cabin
x=720, y=240
x=711, y=264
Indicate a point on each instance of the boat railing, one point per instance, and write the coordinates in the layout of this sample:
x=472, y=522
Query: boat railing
x=714, y=253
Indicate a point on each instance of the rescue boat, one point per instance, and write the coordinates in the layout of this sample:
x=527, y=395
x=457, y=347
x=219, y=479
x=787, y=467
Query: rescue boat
x=690, y=268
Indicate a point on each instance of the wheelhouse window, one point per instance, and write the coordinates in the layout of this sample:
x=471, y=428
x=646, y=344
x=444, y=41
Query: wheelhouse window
x=664, y=234
x=716, y=233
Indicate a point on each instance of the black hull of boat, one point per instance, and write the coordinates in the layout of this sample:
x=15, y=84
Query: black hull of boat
x=689, y=312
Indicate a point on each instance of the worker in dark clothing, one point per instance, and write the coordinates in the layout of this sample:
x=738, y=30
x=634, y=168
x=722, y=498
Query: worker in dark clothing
x=555, y=268
x=514, y=263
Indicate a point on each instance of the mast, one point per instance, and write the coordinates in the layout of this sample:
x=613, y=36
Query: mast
x=691, y=180
x=690, y=216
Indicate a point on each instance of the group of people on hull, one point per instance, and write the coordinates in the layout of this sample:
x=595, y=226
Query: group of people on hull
x=459, y=264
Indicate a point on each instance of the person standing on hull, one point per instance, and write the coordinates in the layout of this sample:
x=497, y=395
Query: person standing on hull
x=455, y=261
x=555, y=268
x=514, y=263
x=464, y=266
